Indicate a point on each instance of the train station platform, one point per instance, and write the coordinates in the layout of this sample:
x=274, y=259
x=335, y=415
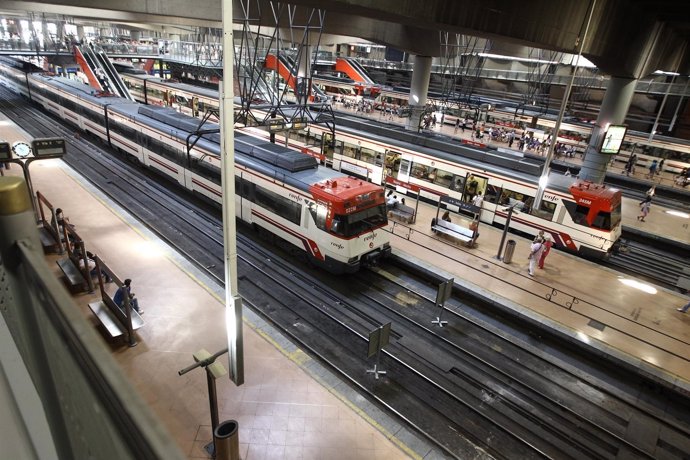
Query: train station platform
x=289, y=407
x=609, y=312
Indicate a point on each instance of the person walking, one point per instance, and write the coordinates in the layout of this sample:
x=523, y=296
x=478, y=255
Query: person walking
x=644, y=208
x=536, y=250
x=547, y=248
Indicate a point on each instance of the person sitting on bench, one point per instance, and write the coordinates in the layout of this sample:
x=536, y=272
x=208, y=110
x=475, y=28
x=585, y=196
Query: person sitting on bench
x=392, y=201
x=119, y=297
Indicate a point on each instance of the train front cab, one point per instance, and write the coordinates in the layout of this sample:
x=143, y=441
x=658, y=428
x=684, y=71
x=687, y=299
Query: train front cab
x=352, y=213
x=598, y=207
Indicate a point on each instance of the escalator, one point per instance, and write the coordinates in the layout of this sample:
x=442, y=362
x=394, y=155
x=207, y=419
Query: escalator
x=286, y=68
x=353, y=69
x=100, y=71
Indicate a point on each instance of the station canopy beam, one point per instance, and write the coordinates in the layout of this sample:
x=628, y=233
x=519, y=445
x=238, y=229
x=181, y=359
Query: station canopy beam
x=541, y=68
x=462, y=62
x=274, y=65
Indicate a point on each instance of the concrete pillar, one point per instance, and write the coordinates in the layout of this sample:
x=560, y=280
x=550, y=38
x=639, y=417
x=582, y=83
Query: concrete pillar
x=419, y=88
x=614, y=107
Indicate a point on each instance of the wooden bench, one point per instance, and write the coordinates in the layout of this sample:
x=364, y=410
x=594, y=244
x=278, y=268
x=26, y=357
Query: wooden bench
x=402, y=212
x=48, y=229
x=455, y=231
x=116, y=320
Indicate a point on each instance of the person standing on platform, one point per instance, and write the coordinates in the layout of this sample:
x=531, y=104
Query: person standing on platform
x=630, y=165
x=536, y=250
x=652, y=169
x=644, y=208
x=547, y=248
x=478, y=200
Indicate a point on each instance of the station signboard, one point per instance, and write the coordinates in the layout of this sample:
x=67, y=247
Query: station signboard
x=49, y=147
x=5, y=151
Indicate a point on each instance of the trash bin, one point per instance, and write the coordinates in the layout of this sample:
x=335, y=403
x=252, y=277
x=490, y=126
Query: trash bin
x=227, y=440
x=510, y=250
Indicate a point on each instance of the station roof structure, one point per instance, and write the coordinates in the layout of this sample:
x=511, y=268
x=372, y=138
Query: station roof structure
x=626, y=38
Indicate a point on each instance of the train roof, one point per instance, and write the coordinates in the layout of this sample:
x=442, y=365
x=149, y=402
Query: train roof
x=206, y=92
x=444, y=148
x=290, y=166
x=83, y=90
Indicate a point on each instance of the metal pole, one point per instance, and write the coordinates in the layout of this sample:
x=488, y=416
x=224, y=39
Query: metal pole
x=543, y=180
x=661, y=109
x=505, y=232
x=234, y=316
x=213, y=406
x=680, y=101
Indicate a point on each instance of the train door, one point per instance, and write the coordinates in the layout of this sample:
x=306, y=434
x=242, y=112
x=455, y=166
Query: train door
x=473, y=186
x=392, y=164
x=405, y=167
x=329, y=147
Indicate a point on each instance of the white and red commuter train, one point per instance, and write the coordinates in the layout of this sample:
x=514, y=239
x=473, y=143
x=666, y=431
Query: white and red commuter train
x=587, y=221
x=337, y=220
x=580, y=219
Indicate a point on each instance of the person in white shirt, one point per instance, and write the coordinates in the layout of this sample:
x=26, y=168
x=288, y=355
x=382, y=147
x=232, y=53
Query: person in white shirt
x=478, y=200
x=536, y=249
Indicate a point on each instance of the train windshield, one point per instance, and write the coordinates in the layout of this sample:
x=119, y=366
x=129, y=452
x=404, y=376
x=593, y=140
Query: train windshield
x=359, y=222
x=607, y=220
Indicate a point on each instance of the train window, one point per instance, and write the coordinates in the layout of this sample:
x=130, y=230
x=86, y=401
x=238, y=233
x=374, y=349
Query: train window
x=492, y=193
x=546, y=210
x=458, y=183
x=578, y=213
x=277, y=204
x=359, y=222
x=517, y=199
x=350, y=150
x=318, y=212
x=602, y=220
x=368, y=155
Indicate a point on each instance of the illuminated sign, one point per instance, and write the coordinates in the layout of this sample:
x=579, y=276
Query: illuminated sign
x=5, y=151
x=613, y=139
x=53, y=147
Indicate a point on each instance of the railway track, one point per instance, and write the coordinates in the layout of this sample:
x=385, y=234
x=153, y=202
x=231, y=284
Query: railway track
x=464, y=386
